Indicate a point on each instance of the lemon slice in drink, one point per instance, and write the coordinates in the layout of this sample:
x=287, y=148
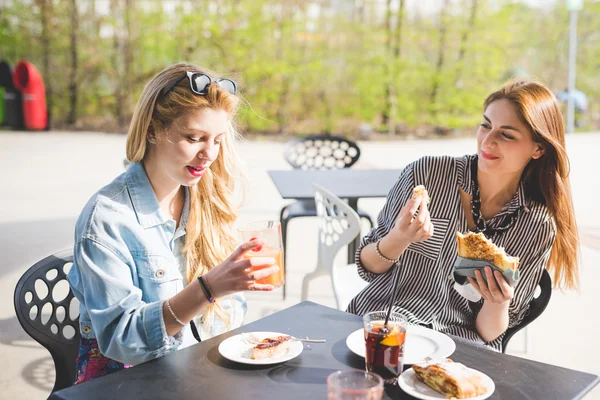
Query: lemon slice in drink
x=391, y=341
x=393, y=338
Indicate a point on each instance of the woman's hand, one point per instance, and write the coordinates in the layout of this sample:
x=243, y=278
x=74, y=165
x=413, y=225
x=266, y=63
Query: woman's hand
x=496, y=290
x=408, y=228
x=237, y=273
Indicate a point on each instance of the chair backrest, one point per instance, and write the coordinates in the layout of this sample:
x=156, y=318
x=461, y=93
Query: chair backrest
x=536, y=308
x=339, y=224
x=49, y=313
x=321, y=152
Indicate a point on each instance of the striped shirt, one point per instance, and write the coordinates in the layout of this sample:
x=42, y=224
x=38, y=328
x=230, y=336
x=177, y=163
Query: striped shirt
x=425, y=292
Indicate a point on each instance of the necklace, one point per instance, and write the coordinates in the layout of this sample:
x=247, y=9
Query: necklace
x=480, y=225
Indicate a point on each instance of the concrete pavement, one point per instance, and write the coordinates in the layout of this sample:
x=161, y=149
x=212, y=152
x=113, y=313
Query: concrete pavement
x=47, y=178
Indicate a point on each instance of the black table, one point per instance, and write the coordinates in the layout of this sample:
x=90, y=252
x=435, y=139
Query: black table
x=348, y=183
x=199, y=371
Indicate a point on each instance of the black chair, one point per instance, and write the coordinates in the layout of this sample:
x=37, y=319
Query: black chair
x=316, y=152
x=536, y=308
x=50, y=317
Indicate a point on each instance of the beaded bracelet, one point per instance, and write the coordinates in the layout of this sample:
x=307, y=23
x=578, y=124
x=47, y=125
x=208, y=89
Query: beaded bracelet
x=173, y=314
x=384, y=258
x=206, y=289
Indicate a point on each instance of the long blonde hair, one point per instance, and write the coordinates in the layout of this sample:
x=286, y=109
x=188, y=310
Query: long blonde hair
x=546, y=179
x=209, y=235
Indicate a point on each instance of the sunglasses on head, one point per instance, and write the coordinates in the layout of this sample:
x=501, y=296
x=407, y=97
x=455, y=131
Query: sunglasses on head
x=200, y=82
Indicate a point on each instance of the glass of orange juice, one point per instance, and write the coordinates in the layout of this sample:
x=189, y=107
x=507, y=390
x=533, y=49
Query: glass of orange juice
x=270, y=232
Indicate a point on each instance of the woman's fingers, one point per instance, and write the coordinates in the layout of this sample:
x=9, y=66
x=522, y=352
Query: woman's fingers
x=507, y=290
x=426, y=230
x=416, y=227
x=483, y=288
x=263, y=272
x=254, y=262
x=493, y=284
x=424, y=211
x=409, y=209
x=248, y=246
x=496, y=289
x=251, y=285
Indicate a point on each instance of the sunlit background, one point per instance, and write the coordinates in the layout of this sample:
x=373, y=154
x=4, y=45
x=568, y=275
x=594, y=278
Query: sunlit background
x=403, y=78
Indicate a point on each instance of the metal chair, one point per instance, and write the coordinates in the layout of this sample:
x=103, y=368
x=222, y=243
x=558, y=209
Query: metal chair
x=49, y=313
x=339, y=224
x=316, y=152
x=536, y=308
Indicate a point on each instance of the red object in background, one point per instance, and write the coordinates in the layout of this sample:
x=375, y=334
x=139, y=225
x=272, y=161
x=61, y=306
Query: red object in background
x=29, y=82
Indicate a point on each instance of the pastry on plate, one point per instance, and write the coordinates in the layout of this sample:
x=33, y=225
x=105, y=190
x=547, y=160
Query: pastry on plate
x=477, y=247
x=453, y=380
x=271, y=347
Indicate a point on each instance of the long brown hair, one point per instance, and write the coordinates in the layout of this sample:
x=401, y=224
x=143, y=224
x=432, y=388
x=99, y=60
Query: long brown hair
x=209, y=235
x=546, y=179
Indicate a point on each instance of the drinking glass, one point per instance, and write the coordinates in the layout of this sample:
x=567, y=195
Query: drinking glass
x=270, y=232
x=385, y=344
x=354, y=385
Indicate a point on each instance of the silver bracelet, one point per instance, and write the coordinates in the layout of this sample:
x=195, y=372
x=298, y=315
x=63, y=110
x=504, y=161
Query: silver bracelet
x=173, y=314
x=384, y=258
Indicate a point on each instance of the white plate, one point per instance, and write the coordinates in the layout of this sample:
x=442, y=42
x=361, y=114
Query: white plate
x=409, y=382
x=420, y=343
x=235, y=348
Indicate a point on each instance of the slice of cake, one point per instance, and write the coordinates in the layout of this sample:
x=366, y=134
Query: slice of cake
x=477, y=247
x=453, y=380
x=271, y=347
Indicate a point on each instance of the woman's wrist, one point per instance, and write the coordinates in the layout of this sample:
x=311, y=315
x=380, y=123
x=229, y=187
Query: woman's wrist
x=496, y=308
x=391, y=247
x=206, y=288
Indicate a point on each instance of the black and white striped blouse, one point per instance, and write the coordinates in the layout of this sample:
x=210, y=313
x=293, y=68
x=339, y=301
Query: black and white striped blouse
x=425, y=293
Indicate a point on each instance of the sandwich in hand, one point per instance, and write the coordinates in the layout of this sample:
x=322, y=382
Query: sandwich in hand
x=476, y=246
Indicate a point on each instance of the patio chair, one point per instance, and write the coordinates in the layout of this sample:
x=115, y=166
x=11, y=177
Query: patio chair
x=339, y=224
x=316, y=152
x=49, y=313
x=536, y=307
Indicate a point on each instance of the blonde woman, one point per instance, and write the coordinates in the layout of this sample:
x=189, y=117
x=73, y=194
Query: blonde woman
x=154, y=249
x=515, y=190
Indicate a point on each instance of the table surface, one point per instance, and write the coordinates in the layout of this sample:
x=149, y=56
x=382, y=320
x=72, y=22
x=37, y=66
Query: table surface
x=199, y=371
x=345, y=183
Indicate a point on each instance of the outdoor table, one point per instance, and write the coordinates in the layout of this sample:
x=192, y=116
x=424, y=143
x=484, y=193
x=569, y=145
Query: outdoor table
x=347, y=183
x=200, y=372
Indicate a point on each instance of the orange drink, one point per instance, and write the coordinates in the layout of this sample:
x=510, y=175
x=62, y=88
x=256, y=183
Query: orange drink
x=270, y=233
x=275, y=279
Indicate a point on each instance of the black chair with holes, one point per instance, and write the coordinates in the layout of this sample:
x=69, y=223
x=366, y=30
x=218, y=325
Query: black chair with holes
x=536, y=308
x=45, y=286
x=316, y=152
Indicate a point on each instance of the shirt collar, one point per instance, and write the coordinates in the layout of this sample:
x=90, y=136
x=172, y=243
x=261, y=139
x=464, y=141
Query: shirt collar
x=465, y=181
x=145, y=204
x=184, y=214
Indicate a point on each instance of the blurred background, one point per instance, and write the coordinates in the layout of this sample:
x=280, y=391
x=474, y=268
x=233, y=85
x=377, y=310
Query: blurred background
x=403, y=78
x=400, y=66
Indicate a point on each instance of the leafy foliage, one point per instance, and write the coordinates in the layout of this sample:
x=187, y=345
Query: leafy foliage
x=304, y=66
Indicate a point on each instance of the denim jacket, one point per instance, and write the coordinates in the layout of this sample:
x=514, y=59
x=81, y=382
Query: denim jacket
x=127, y=262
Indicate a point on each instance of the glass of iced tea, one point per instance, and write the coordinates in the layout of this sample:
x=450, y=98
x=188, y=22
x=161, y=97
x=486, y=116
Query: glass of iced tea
x=385, y=344
x=270, y=232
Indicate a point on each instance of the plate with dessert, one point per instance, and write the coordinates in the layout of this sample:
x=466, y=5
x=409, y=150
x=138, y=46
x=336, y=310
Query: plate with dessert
x=420, y=344
x=445, y=379
x=260, y=348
